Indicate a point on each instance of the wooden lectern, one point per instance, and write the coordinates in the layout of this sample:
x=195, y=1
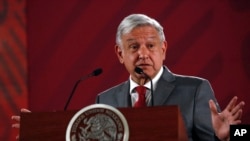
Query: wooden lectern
x=145, y=124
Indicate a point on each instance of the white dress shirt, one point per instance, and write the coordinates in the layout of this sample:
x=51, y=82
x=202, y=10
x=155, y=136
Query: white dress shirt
x=133, y=85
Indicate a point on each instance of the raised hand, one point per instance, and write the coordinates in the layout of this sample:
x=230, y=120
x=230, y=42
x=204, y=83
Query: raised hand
x=231, y=115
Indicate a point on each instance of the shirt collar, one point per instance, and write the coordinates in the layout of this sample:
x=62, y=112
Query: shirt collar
x=133, y=84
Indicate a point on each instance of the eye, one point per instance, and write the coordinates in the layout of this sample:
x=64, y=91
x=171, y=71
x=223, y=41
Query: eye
x=134, y=46
x=150, y=46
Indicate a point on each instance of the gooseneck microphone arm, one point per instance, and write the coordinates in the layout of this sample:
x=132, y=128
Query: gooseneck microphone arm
x=140, y=71
x=94, y=73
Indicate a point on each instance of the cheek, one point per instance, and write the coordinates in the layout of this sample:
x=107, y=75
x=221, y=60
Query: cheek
x=158, y=59
x=129, y=63
x=161, y=54
x=130, y=58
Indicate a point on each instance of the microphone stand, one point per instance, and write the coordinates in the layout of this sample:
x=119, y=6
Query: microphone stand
x=94, y=73
x=71, y=94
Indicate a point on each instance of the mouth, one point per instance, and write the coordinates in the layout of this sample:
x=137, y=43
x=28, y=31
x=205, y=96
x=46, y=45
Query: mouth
x=143, y=66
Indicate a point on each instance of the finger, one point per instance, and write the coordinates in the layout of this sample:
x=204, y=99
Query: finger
x=17, y=125
x=238, y=107
x=235, y=122
x=16, y=118
x=237, y=115
x=25, y=110
x=212, y=107
x=17, y=137
x=232, y=103
x=240, y=114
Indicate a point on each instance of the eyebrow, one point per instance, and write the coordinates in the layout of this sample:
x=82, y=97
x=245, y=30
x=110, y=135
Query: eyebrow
x=131, y=40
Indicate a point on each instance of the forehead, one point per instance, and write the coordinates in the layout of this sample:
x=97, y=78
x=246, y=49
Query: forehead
x=141, y=32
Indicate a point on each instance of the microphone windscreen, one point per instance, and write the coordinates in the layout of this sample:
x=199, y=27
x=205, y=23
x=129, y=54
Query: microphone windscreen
x=97, y=72
x=138, y=70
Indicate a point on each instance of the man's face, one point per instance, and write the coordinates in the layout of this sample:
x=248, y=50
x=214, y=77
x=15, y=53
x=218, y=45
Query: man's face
x=142, y=48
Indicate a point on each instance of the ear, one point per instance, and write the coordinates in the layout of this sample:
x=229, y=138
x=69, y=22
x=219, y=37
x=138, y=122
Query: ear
x=164, y=49
x=118, y=52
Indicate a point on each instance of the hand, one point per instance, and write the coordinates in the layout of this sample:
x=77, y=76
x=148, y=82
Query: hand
x=230, y=115
x=17, y=120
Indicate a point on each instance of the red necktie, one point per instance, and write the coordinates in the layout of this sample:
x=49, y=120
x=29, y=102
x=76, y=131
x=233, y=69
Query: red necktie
x=141, y=102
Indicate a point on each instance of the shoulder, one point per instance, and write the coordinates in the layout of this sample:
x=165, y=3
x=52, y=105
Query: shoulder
x=182, y=79
x=115, y=96
x=196, y=85
x=115, y=89
x=188, y=79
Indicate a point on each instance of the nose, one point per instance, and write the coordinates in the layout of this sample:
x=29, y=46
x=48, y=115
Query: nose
x=143, y=52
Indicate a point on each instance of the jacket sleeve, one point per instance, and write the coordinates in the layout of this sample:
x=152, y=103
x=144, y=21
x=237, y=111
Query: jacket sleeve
x=203, y=129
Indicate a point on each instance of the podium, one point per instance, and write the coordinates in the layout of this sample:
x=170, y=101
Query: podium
x=145, y=124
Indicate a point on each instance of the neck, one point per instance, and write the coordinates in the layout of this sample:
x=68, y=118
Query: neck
x=142, y=81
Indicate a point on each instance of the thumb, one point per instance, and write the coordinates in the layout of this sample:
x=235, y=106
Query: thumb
x=212, y=107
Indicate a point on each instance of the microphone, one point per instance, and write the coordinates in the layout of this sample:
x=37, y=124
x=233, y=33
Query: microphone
x=96, y=72
x=140, y=71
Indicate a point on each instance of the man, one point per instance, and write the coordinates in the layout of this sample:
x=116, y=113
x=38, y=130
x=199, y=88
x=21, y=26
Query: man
x=140, y=43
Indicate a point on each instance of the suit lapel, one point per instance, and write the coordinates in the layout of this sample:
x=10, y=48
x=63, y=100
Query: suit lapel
x=123, y=97
x=164, y=87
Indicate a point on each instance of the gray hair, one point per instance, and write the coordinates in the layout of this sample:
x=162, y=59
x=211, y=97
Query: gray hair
x=135, y=20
